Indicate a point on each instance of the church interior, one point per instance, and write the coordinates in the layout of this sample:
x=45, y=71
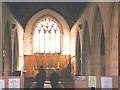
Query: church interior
x=73, y=38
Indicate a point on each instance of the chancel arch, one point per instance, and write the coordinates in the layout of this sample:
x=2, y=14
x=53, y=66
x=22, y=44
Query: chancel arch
x=47, y=43
x=78, y=54
x=58, y=19
x=86, y=51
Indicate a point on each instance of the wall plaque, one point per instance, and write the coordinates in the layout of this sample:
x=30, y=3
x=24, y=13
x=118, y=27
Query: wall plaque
x=92, y=81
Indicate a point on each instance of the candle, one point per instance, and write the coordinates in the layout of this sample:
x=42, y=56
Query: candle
x=36, y=65
x=58, y=64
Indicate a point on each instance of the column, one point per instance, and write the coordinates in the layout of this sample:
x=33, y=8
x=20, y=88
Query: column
x=6, y=64
x=107, y=58
x=12, y=55
x=97, y=60
x=114, y=54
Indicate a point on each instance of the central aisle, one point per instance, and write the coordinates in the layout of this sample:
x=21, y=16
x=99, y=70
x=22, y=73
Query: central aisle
x=47, y=86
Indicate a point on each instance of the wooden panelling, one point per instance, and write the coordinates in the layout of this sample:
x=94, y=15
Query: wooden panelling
x=26, y=65
x=47, y=61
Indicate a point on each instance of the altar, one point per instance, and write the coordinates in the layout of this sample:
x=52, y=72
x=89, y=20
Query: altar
x=49, y=63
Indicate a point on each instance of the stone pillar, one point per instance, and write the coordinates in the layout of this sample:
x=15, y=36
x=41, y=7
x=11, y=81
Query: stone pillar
x=114, y=54
x=12, y=55
x=86, y=65
x=103, y=69
x=75, y=66
x=89, y=65
x=96, y=58
x=92, y=59
x=6, y=64
x=114, y=43
x=12, y=40
x=97, y=65
x=107, y=54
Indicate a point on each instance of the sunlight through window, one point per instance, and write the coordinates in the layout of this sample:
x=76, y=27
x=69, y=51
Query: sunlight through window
x=46, y=37
x=58, y=40
x=42, y=41
x=47, y=42
x=36, y=40
x=52, y=41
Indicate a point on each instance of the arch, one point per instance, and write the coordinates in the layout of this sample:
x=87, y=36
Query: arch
x=8, y=50
x=16, y=52
x=86, y=51
x=46, y=13
x=65, y=37
x=112, y=7
x=78, y=54
x=98, y=20
x=110, y=10
x=96, y=45
x=113, y=43
x=47, y=16
x=49, y=32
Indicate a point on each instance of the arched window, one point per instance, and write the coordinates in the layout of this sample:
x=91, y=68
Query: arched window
x=46, y=37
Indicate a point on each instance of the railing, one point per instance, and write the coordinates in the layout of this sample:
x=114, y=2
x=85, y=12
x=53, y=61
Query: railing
x=33, y=85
